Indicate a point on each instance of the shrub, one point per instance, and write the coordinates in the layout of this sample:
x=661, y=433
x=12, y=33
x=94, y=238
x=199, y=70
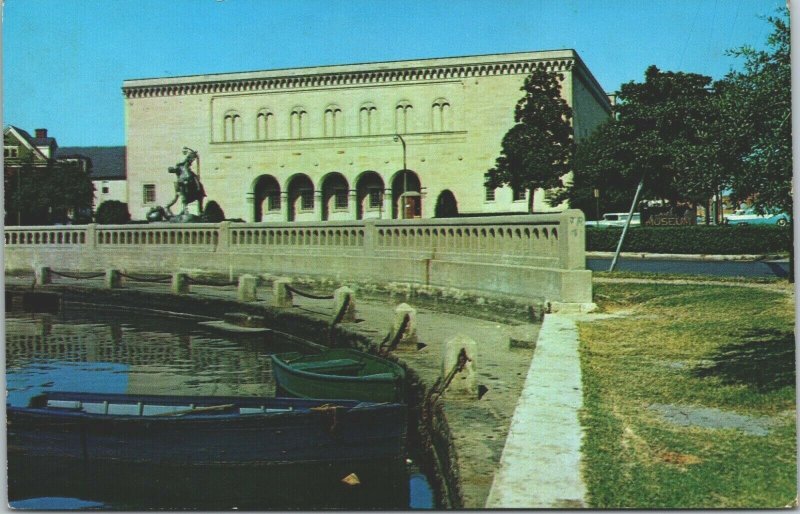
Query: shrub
x=213, y=212
x=708, y=240
x=112, y=212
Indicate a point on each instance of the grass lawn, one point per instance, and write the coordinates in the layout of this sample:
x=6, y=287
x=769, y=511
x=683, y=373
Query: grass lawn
x=689, y=397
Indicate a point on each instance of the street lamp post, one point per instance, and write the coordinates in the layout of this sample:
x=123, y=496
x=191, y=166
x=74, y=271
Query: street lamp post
x=398, y=137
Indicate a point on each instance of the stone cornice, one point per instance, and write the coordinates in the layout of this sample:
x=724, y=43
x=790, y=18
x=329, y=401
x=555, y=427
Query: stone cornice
x=414, y=71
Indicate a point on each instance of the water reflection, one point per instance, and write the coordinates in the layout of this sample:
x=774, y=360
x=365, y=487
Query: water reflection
x=100, y=352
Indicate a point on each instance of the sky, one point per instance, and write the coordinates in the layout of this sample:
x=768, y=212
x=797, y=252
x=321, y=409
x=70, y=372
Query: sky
x=64, y=61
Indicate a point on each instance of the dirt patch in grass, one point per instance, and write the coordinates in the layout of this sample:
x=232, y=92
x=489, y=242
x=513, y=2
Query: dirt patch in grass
x=704, y=417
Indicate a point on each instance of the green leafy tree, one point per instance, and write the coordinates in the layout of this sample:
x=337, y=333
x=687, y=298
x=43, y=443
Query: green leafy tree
x=213, y=213
x=537, y=151
x=756, y=106
x=49, y=194
x=665, y=130
x=112, y=212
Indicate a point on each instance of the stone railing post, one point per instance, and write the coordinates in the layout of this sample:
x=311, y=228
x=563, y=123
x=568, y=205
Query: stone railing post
x=43, y=275
x=224, y=235
x=340, y=296
x=180, y=283
x=463, y=382
x=113, y=279
x=370, y=237
x=572, y=239
x=409, y=335
x=91, y=235
x=247, y=288
x=283, y=297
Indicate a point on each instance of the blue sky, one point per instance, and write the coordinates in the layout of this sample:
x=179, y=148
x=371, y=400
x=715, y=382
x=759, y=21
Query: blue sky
x=64, y=60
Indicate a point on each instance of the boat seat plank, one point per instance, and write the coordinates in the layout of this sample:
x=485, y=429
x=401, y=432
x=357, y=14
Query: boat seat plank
x=329, y=365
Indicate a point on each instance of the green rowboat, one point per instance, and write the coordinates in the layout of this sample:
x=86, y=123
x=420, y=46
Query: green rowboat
x=339, y=373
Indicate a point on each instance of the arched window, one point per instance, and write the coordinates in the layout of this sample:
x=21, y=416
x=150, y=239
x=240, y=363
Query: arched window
x=332, y=122
x=265, y=124
x=232, y=126
x=368, y=119
x=440, y=115
x=297, y=120
x=402, y=118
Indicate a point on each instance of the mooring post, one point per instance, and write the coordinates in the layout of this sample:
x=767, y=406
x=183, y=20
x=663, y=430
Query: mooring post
x=340, y=296
x=43, y=275
x=247, y=288
x=283, y=297
x=180, y=283
x=461, y=381
x=408, y=327
x=113, y=279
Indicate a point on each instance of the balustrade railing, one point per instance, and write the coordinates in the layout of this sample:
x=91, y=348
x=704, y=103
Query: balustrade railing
x=551, y=240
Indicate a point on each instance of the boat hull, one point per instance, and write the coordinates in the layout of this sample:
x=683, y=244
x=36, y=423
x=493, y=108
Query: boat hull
x=385, y=384
x=347, y=433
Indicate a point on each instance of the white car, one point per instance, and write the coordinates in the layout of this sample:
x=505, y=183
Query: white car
x=615, y=219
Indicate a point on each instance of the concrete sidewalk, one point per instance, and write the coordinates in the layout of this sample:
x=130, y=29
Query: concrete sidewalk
x=541, y=462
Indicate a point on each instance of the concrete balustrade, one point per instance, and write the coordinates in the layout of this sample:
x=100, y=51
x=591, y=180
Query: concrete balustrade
x=540, y=256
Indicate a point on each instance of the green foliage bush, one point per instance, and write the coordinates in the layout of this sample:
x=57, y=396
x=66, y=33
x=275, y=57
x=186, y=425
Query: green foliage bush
x=213, y=213
x=112, y=212
x=708, y=240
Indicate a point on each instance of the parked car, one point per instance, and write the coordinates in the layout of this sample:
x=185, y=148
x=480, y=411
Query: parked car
x=751, y=217
x=615, y=219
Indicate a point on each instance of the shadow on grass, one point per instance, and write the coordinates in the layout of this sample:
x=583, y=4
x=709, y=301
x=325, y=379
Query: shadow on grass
x=764, y=359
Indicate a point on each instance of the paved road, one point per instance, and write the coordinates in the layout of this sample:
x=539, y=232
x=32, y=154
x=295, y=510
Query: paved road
x=715, y=268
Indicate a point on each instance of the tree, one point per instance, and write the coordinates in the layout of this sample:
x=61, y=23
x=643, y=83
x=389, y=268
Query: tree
x=537, y=151
x=112, y=212
x=47, y=194
x=756, y=105
x=663, y=131
x=757, y=111
x=213, y=213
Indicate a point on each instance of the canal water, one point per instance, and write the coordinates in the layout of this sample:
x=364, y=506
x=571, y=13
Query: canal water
x=92, y=350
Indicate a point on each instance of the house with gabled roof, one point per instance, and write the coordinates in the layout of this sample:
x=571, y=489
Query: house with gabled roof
x=106, y=168
x=19, y=145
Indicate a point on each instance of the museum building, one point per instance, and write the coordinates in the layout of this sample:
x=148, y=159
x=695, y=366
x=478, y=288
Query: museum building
x=400, y=139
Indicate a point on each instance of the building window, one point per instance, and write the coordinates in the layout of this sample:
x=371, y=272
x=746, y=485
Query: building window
x=402, y=117
x=367, y=120
x=307, y=199
x=105, y=190
x=296, y=123
x=518, y=193
x=489, y=195
x=375, y=197
x=10, y=152
x=149, y=193
x=440, y=115
x=232, y=127
x=332, y=121
x=274, y=200
x=265, y=121
x=340, y=198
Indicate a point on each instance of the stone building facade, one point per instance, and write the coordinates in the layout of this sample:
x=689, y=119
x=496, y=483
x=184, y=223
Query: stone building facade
x=378, y=140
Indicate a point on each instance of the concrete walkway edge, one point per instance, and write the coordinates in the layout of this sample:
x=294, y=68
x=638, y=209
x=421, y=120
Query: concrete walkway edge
x=540, y=466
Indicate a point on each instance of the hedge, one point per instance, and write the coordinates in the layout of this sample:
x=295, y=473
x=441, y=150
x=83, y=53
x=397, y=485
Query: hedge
x=700, y=239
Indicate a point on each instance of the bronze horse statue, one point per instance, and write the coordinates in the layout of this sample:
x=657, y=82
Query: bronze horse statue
x=187, y=187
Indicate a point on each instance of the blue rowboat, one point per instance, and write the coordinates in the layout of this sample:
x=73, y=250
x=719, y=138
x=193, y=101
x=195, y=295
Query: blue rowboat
x=340, y=373
x=204, y=431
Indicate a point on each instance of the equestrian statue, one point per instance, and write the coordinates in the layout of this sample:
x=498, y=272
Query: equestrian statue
x=187, y=187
